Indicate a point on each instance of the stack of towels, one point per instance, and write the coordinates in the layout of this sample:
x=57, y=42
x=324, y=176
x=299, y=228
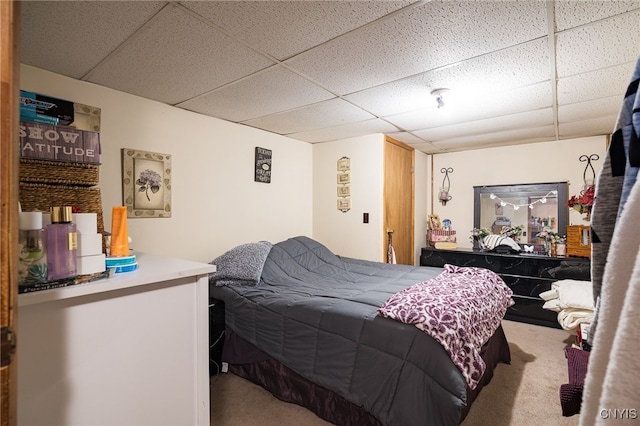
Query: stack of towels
x=572, y=300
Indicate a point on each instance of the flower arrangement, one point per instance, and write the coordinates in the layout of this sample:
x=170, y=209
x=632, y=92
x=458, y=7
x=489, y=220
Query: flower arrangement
x=512, y=232
x=583, y=202
x=549, y=236
x=478, y=234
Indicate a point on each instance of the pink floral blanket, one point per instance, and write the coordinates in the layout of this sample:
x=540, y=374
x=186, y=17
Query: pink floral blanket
x=460, y=308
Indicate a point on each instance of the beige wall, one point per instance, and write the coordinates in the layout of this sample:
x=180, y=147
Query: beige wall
x=345, y=233
x=216, y=203
x=532, y=163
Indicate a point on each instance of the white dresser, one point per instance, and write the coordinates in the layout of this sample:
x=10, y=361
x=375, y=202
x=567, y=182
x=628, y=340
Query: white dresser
x=128, y=350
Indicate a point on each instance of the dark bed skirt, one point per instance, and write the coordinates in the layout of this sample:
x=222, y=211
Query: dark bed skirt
x=246, y=361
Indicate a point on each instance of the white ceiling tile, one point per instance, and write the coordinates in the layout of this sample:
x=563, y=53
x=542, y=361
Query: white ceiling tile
x=344, y=131
x=571, y=14
x=266, y=92
x=529, y=119
x=603, y=125
x=507, y=69
x=71, y=38
x=428, y=148
x=588, y=110
x=596, y=84
x=285, y=28
x=510, y=137
x=329, y=113
x=407, y=137
x=358, y=66
x=176, y=58
x=420, y=39
x=534, y=97
x=599, y=45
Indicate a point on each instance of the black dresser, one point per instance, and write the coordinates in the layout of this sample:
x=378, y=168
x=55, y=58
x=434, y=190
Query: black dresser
x=526, y=275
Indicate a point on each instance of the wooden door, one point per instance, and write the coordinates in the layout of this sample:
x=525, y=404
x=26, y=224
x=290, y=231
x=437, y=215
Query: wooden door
x=9, y=93
x=398, y=204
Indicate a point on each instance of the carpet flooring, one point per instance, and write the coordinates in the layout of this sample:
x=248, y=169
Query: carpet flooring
x=525, y=392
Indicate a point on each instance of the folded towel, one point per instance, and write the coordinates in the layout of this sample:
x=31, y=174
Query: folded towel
x=571, y=318
x=552, y=305
x=575, y=294
x=550, y=294
x=569, y=294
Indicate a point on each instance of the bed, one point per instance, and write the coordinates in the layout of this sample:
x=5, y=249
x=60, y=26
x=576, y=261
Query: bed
x=310, y=326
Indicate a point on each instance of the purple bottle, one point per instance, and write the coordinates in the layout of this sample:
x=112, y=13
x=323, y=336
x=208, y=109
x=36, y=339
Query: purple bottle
x=62, y=244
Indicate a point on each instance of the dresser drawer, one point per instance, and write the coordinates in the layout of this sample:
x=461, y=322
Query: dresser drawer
x=527, y=286
x=531, y=311
x=490, y=261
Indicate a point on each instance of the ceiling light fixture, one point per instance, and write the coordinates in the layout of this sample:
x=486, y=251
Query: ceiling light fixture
x=439, y=95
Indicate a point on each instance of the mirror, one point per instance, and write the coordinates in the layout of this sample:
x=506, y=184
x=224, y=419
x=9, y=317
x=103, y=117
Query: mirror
x=533, y=206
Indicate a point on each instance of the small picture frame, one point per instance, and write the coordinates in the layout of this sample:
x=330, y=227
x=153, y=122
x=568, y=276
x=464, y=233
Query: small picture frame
x=344, y=204
x=344, y=191
x=434, y=222
x=146, y=183
x=344, y=164
x=262, y=167
x=344, y=178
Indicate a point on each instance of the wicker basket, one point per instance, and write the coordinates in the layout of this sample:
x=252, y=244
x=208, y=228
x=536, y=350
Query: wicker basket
x=41, y=197
x=58, y=172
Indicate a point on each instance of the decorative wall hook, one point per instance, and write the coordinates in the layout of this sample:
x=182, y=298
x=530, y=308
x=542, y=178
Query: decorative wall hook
x=589, y=159
x=443, y=195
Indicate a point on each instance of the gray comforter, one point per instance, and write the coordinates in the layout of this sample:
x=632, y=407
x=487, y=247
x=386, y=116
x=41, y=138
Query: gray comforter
x=317, y=313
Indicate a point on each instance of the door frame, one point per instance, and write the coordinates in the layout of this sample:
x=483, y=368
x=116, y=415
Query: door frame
x=9, y=116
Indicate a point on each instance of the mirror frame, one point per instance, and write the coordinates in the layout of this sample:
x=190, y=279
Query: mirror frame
x=526, y=189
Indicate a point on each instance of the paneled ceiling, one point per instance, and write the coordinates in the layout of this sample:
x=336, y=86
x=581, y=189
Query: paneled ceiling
x=516, y=71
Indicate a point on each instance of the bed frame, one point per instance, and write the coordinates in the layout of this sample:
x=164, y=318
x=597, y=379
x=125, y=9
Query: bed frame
x=247, y=361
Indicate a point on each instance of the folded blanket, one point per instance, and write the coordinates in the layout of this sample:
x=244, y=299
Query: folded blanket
x=576, y=294
x=550, y=294
x=572, y=300
x=569, y=294
x=571, y=318
x=460, y=308
x=240, y=265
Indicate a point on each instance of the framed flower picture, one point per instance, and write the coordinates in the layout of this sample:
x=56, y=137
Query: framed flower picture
x=146, y=183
